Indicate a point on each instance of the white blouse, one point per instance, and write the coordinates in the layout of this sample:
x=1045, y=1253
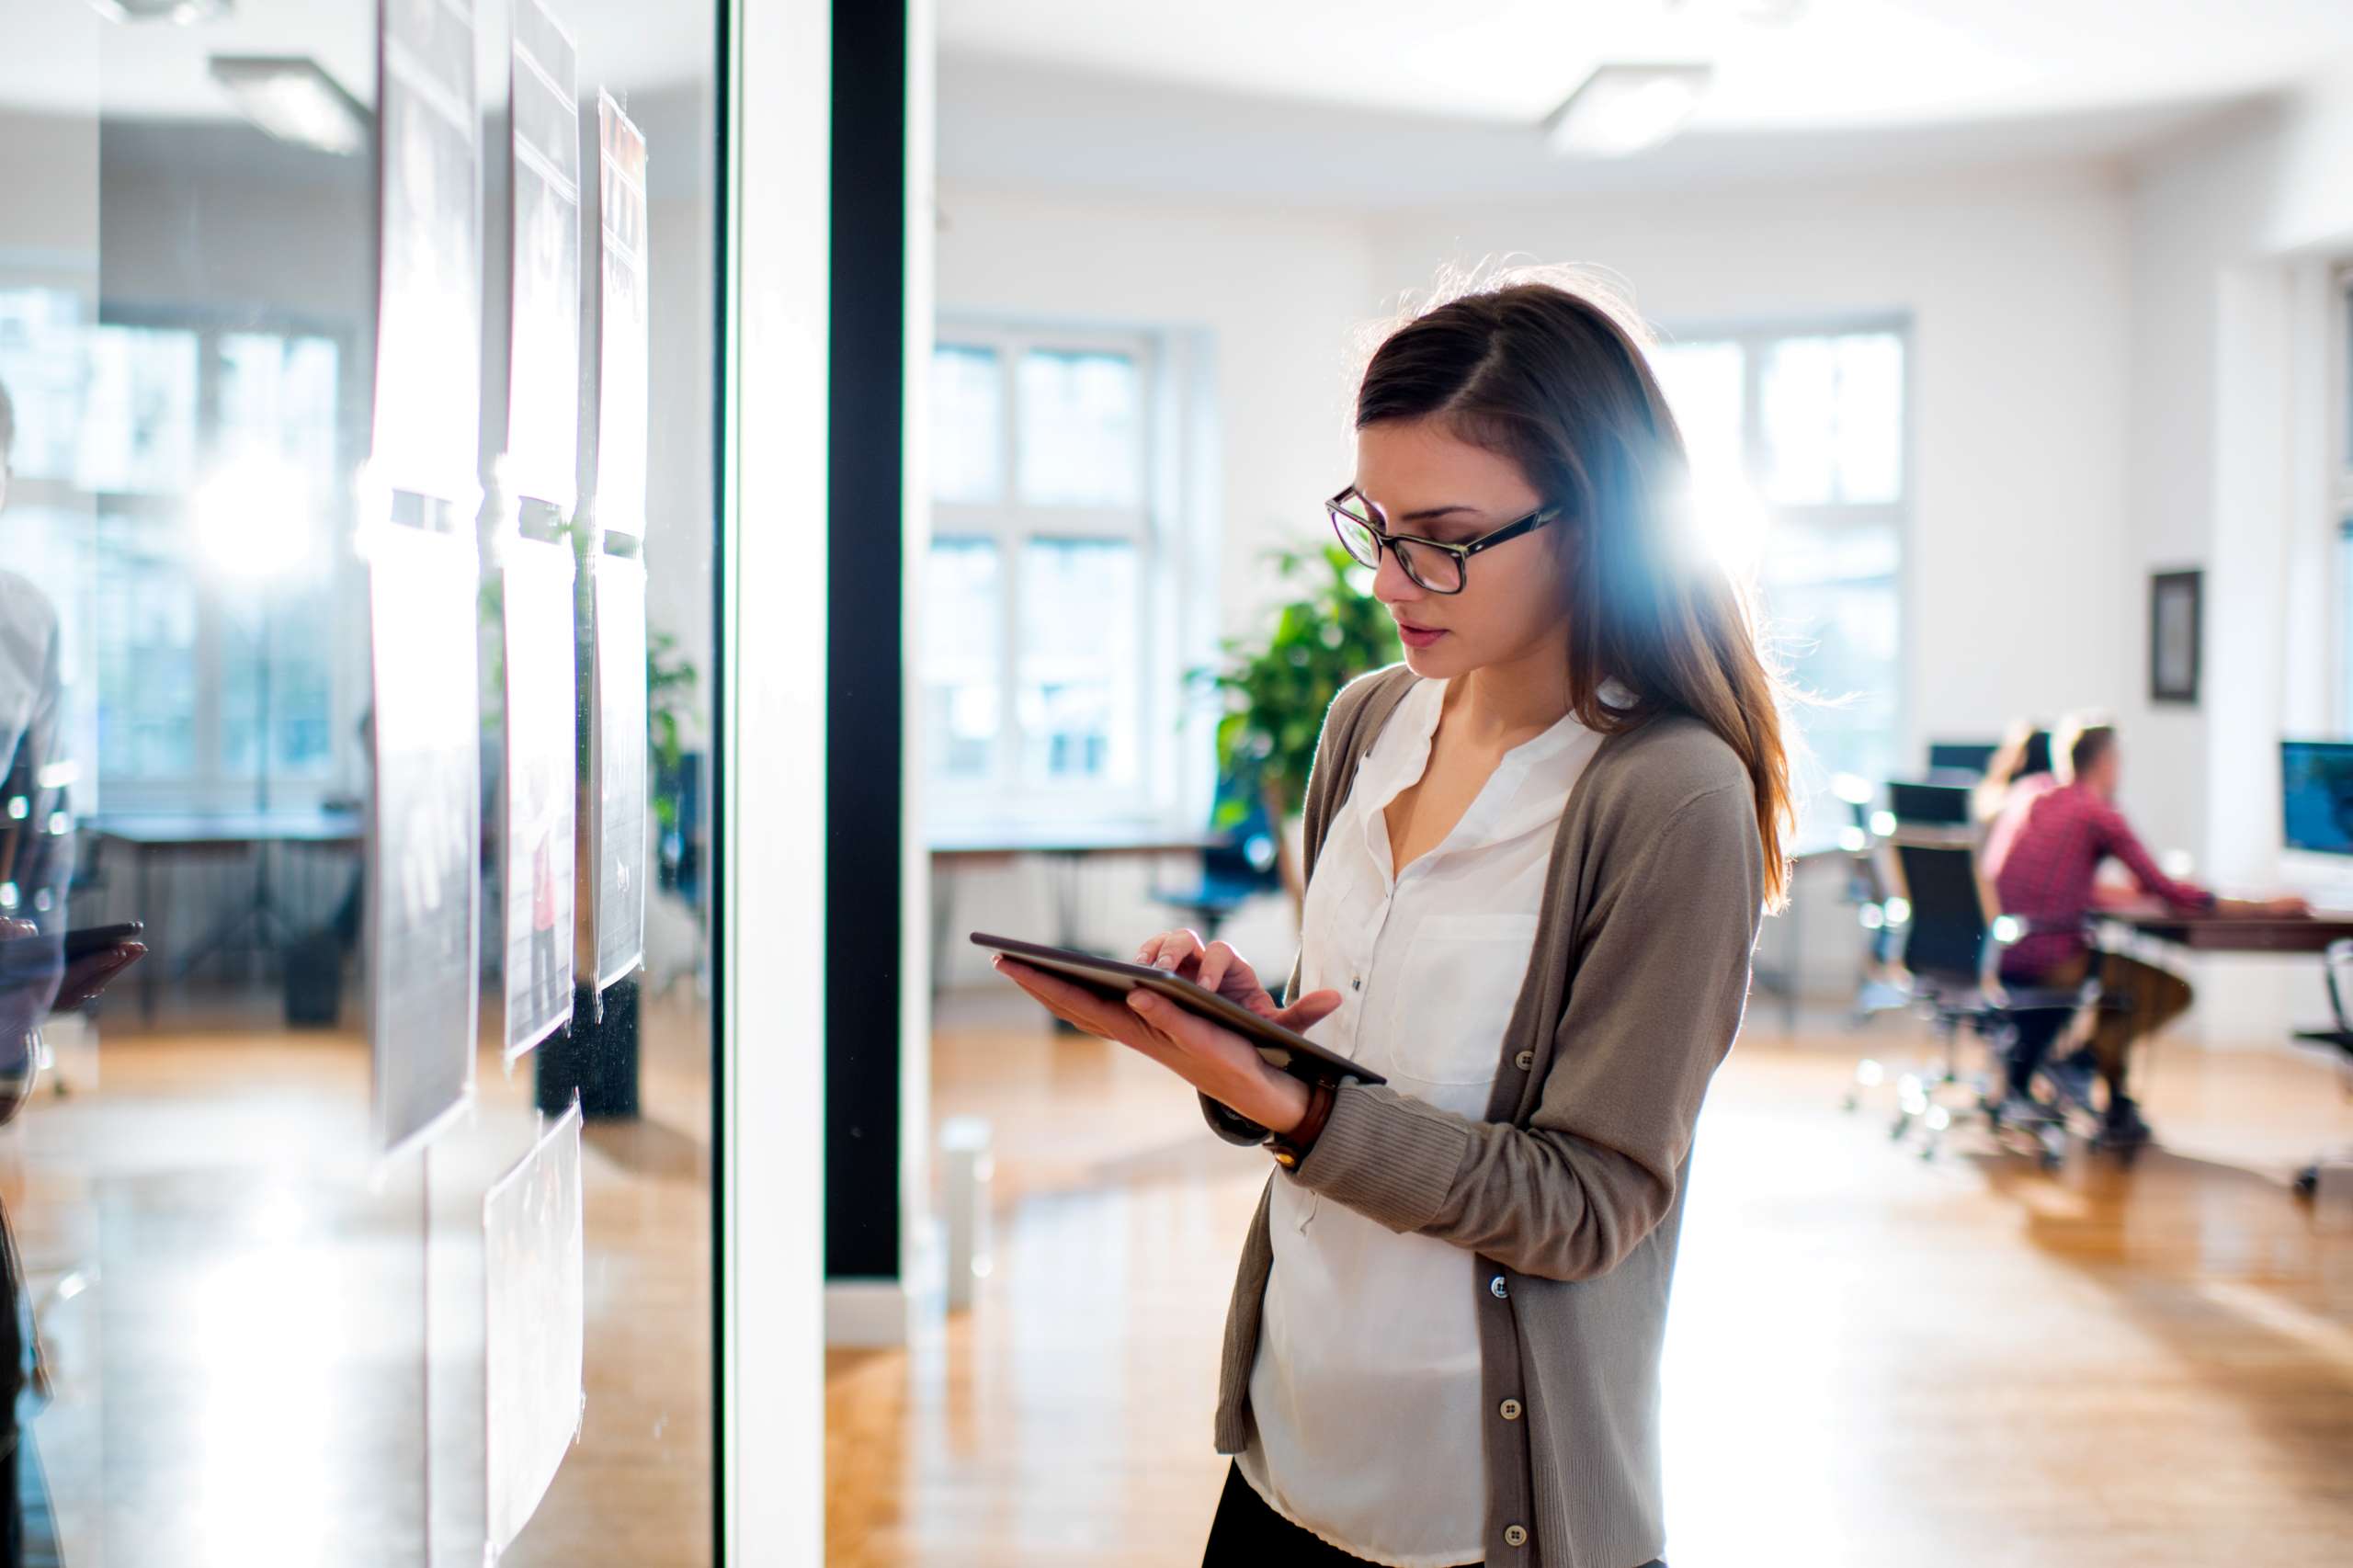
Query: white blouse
x=1366, y=1388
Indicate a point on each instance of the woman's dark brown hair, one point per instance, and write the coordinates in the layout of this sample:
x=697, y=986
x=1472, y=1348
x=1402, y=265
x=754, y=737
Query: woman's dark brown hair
x=1551, y=380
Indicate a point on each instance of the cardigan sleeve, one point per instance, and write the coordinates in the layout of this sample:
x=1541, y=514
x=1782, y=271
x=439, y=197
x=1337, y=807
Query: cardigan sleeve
x=1654, y=1002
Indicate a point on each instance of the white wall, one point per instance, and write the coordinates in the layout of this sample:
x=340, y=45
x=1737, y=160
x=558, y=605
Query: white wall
x=2233, y=235
x=2230, y=233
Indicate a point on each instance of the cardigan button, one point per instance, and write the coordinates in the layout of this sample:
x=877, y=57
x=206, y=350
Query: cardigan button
x=1524, y=1061
x=1496, y=1288
x=1515, y=1535
x=1509, y=1410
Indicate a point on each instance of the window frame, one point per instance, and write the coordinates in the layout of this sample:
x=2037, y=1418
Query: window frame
x=2340, y=493
x=209, y=785
x=1012, y=526
x=1754, y=337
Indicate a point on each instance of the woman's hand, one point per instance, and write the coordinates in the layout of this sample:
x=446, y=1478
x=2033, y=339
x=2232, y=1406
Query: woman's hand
x=1216, y=1060
x=88, y=975
x=1216, y=967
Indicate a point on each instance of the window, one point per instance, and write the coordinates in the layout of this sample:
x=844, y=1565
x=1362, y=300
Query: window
x=211, y=625
x=1797, y=466
x=1034, y=645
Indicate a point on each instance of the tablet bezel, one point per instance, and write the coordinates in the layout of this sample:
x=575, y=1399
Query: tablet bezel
x=1279, y=1048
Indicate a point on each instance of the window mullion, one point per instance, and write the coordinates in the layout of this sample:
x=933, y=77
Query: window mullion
x=1005, y=781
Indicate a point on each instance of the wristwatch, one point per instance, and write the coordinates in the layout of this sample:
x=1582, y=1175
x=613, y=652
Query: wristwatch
x=1289, y=1148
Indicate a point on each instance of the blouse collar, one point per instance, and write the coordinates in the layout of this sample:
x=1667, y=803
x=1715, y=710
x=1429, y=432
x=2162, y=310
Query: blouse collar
x=1526, y=792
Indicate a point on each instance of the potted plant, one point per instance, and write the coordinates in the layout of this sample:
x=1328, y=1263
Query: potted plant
x=1328, y=632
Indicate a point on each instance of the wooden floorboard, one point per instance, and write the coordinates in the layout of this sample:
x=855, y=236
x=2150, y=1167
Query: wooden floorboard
x=1872, y=1359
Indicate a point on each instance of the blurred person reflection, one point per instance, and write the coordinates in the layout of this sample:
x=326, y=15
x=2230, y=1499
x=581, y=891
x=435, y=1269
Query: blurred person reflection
x=36, y=978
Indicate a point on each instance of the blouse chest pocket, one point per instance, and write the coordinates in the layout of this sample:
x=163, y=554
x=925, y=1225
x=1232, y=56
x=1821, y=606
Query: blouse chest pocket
x=1451, y=995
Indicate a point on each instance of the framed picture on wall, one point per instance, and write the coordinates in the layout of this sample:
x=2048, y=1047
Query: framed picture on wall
x=2175, y=609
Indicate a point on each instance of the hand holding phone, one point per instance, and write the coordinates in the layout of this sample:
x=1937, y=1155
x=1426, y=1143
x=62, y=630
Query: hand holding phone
x=85, y=962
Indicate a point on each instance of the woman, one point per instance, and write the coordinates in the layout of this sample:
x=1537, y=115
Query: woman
x=2018, y=773
x=1537, y=853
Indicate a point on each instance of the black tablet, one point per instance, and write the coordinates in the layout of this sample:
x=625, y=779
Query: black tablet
x=1292, y=1053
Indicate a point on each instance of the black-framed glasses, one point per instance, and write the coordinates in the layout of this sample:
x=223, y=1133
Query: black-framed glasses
x=1437, y=567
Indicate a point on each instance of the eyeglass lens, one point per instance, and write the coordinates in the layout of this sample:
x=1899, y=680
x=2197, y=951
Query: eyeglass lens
x=1438, y=570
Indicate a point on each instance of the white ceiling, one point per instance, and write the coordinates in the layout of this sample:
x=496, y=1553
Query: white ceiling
x=1849, y=63
x=1378, y=103
x=57, y=55
x=1006, y=124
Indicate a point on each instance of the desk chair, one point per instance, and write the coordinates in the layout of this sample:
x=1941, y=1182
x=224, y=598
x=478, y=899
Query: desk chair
x=1233, y=872
x=2338, y=972
x=1953, y=946
x=1931, y=802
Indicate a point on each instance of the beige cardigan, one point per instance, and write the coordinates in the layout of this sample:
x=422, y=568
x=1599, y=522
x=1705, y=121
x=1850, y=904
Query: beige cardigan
x=1570, y=1193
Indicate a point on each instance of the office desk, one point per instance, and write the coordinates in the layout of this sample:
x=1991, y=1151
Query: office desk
x=143, y=836
x=2226, y=934
x=1062, y=847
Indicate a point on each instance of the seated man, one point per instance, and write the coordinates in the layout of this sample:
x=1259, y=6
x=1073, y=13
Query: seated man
x=2044, y=875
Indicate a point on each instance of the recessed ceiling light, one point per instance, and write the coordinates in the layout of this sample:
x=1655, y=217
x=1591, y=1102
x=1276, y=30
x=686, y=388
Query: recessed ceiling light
x=295, y=101
x=1624, y=108
x=180, y=11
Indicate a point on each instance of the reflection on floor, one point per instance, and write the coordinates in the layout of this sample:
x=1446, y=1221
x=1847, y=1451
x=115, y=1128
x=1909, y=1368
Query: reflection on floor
x=1873, y=1360
x=234, y=1305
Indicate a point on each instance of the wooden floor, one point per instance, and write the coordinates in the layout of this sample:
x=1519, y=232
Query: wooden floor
x=266, y=1352
x=1872, y=1359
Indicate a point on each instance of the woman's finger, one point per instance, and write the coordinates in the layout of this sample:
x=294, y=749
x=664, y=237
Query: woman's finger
x=1309, y=1010
x=1222, y=1064
x=1073, y=1003
x=1175, y=949
x=1192, y=1035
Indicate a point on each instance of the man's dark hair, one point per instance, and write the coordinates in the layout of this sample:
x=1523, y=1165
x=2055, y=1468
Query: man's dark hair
x=2091, y=742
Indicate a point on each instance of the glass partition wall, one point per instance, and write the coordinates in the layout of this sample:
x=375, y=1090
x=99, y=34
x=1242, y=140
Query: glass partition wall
x=372, y=675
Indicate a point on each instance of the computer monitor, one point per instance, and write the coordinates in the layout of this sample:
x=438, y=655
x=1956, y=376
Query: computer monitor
x=2316, y=796
x=1961, y=756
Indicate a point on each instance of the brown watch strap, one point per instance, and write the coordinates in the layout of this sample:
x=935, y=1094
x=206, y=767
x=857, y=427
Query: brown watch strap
x=1291, y=1147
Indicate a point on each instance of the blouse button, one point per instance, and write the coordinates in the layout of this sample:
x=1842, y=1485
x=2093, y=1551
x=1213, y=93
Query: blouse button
x=1515, y=1535
x=1509, y=1410
x=1524, y=1061
x=1496, y=1288
x=1357, y=982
